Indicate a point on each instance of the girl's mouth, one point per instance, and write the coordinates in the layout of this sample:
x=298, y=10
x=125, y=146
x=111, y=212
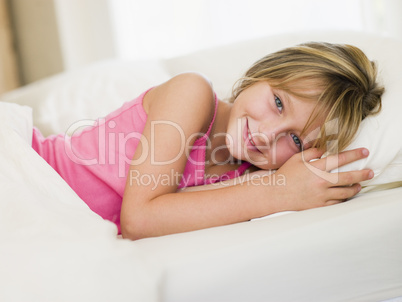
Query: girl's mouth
x=248, y=138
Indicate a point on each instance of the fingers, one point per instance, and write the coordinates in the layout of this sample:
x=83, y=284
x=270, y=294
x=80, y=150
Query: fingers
x=346, y=157
x=310, y=154
x=339, y=194
x=348, y=185
x=331, y=188
x=352, y=177
x=345, y=179
x=335, y=161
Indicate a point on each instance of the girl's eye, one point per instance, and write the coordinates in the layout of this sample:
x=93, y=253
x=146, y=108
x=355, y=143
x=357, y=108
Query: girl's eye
x=278, y=103
x=297, y=141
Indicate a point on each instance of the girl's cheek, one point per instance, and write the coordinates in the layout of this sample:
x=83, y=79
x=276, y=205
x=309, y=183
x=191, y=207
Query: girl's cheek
x=282, y=153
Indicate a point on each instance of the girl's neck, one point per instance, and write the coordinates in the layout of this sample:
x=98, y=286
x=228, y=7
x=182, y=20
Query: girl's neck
x=218, y=135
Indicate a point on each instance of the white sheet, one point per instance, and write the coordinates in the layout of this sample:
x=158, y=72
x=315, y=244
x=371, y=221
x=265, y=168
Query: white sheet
x=347, y=252
x=52, y=246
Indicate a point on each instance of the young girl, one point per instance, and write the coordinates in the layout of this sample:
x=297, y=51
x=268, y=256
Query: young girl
x=174, y=159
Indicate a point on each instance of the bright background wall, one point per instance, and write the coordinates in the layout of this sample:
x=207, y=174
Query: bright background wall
x=58, y=35
x=167, y=28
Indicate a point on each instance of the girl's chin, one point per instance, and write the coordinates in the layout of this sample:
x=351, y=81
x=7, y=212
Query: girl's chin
x=259, y=162
x=267, y=167
x=251, y=156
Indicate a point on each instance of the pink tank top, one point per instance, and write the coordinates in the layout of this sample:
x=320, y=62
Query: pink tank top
x=95, y=161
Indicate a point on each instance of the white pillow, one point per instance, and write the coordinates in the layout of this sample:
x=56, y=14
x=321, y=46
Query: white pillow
x=87, y=93
x=16, y=153
x=380, y=133
x=18, y=118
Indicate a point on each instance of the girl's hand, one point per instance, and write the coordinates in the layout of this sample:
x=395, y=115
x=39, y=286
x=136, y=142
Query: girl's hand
x=310, y=184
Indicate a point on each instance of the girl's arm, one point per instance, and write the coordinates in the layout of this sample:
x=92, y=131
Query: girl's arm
x=253, y=176
x=150, y=210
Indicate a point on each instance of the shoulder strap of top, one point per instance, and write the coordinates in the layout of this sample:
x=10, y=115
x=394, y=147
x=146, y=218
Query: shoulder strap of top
x=213, y=118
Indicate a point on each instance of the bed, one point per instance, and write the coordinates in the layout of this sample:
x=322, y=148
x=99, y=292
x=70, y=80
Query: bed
x=53, y=248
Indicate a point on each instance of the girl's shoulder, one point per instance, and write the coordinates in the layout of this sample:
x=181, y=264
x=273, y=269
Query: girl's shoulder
x=187, y=97
x=185, y=84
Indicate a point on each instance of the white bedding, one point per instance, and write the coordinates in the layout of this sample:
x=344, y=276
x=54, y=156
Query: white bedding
x=53, y=248
x=352, y=252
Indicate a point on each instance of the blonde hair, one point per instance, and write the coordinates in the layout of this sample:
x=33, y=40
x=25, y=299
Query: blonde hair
x=339, y=77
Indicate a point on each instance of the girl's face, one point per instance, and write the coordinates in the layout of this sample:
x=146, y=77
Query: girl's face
x=265, y=126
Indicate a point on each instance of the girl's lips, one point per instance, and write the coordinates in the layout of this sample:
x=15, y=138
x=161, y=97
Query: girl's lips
x=248, y=140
